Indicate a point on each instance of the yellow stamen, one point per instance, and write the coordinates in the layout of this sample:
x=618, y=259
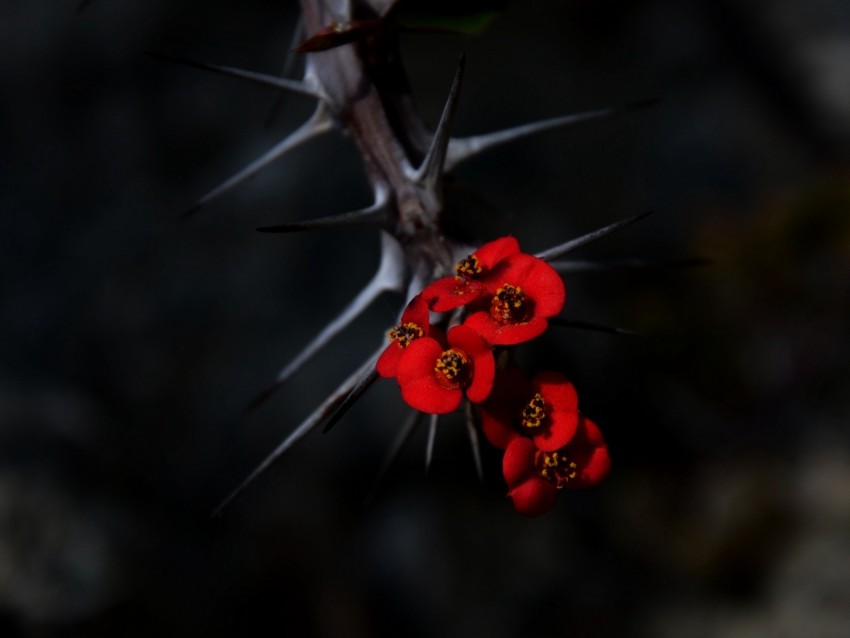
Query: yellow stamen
x=404, y=333
x=509, y=305
x=468, y=268
x=453, y=369
x=534, y=413
x=556, y=467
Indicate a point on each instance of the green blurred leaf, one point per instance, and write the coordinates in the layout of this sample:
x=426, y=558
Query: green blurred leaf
x=458, y=16
x=468, y=24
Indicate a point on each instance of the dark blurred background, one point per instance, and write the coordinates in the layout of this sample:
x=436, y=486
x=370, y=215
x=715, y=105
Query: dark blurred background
x=131, y=341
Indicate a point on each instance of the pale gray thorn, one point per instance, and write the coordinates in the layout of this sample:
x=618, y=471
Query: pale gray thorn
x=388, y=278
x=474, y=442
x=365, y=217
x=578, y=266
x=287, y=68
x=430, y=171
x=574, y=244
x=464, y=148
x=318, y=124
x=374, y=215
x=432, y=436
x=273, y=81
x=362, y=386
x=308, y=424
x=402, y=437
x=588, y=325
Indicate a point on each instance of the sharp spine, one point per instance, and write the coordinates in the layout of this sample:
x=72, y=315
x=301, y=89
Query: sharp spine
x=574, y=244
x=303, y=428
x=374, y=215
x=430, y=171
x=318, y=124
x=589, y=266
x=388, y=278
x=272, y=81
x=465, y=148
x=362, y=386
x=588, y=325
x=474, y=442
x=432, y=437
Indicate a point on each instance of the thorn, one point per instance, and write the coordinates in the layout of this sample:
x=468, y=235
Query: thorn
x=464, y=148
x=432, y=436
x=286, y=70
x=363, y=300
x=365, y=217
x=403, y=436
x=578, y=266
x=294, y=86
x=472, y=431
x=430, y=171
x=329, y=404
x=586, y=325
x=388, y=278
x=574, y=244
x=319, y=123
x=358, y=391
x=376, y=214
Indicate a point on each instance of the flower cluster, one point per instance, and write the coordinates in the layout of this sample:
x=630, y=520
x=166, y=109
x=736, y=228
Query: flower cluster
x=498, y=298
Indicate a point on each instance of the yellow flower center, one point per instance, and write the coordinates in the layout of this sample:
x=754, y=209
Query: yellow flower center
x=453, y=369
x=404, y=333
x=534, y=413
x=510, y=305
x=467, y=268
x=555, y=467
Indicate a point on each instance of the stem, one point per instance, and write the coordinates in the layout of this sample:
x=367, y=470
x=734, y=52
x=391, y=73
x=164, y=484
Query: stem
x=368, y=94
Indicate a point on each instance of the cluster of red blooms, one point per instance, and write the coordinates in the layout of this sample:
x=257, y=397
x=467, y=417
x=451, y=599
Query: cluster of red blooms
x=507, y=297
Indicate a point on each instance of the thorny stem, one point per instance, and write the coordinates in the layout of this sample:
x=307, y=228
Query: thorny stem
x=368, y=94
x=363, y=89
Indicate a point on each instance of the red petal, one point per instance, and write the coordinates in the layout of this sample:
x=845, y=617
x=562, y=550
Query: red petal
x=556, y=390
x=483, y=363
x=538, y=280
x=518, y=461
x=534, y=497
x=560, y=431
x=415, y=375
x=495, y=251
x=418, y=359
x=591, y=455
x=427, y=395
x=417, y=312
x=562, y=399
x=387, y=363
x=510, y=393
x=595, y=469
x=505, y=334
x=545, y=286
x=449, y=293
x=499, y=432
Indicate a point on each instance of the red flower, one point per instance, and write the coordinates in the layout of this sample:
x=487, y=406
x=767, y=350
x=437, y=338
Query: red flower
x=544, y=409
x=525, y=291
x=415, y=323
x=433, y=378
x=534, y=476
x=473, y=272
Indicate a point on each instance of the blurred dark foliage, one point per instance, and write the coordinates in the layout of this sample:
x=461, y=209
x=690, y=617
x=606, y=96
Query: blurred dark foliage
x=131, y=341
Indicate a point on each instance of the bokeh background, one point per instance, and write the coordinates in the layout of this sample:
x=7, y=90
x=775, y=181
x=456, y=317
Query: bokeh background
x=131, y=341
